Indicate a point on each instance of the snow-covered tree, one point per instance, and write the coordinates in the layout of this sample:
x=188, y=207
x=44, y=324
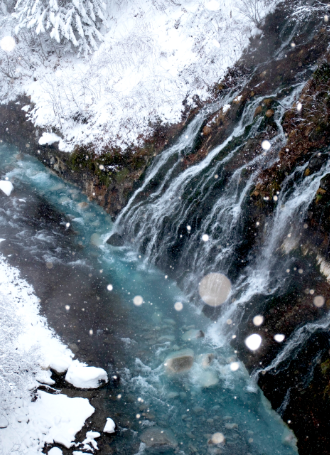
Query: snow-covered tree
x=16, y=369
x=77, y=21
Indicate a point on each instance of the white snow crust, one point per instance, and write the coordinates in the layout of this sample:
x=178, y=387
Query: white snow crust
x=29, y=345
x=155, y=54
x=49, y=138
x=51, y=418
x=55, y=451
x=85, y=377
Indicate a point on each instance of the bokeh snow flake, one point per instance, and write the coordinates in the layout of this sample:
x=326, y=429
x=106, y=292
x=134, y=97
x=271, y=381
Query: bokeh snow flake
x=8, y=44
x=214, y=289
x=253, y=342
x=258, y=320
x=217, y=438
x=138, y=300
x=178, y=306
x=319, y=301
x=279, y=337
x=265, y=145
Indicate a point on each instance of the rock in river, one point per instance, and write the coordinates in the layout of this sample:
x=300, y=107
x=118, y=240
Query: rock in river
x=115, y=240
x=158, y=440
x=180, y=361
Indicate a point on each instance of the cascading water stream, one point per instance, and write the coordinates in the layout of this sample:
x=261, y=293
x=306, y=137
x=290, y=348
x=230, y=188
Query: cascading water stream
x=172, y=212
x=167, y=217
x=208, y=399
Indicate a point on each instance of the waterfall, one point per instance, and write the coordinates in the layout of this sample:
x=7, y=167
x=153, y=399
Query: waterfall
x=174, y=207
x=202, y=199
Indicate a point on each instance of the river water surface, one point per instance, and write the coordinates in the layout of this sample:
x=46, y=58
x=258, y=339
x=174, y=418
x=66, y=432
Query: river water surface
x=88, y=288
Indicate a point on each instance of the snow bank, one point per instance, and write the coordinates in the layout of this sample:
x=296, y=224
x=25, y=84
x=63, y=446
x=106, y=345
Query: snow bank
x=49, y=138
x=155, y=55
x=28, y=345
x=85, y=377
x=51, y=418
x=55, y=451
x=6, y=186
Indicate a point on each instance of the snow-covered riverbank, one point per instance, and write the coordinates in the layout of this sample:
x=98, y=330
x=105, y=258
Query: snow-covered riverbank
x=154, y=55
x=29, y=350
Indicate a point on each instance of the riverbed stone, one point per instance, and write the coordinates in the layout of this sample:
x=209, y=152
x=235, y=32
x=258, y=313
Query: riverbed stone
x=180, y=361
x=231, y=426
x=192, y=334
x=115, y=240
x=158, y=440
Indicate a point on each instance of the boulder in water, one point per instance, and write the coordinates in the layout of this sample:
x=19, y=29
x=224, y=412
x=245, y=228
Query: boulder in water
x=192, y=335
x=115, y=240
x=158, y=440
x=206, y=359
x=180, y=361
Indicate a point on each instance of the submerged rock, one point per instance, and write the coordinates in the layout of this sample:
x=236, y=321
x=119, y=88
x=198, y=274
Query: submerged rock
x=166, y=338
x=172, y=395
x=115, y=240
x=192, y=334
x=158, y=440
x=180, y=361
x=206, y=359
x=207, y=379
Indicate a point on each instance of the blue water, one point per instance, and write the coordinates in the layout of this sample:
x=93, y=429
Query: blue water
x=182, y=402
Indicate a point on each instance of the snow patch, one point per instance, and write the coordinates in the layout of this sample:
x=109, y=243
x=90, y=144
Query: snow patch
x=51, y=418
x=225, y=108
x=324, y=267
x=213, y=5
x=84, y=377
x=89, y=443
x=109, y=426
x=49, y=138
x=55, y=451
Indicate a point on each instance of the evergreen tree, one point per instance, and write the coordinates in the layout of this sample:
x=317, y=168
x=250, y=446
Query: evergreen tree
x=77, y=21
